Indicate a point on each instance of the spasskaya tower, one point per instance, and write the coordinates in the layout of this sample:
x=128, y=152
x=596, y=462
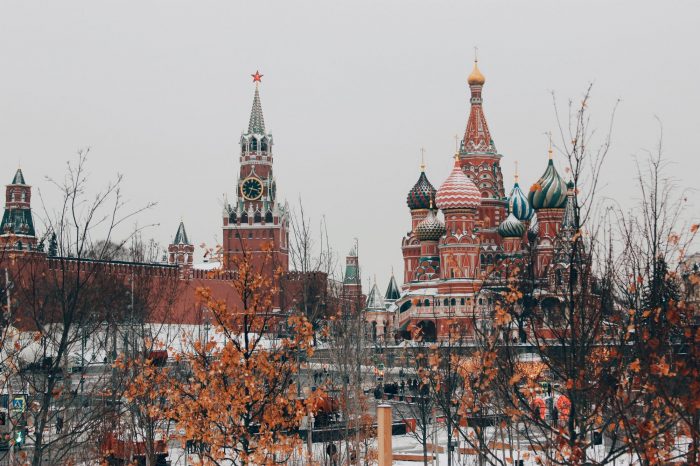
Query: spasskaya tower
x=255, y=222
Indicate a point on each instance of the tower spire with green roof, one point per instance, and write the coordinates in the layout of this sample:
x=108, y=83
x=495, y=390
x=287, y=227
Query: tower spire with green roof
x=256, y=125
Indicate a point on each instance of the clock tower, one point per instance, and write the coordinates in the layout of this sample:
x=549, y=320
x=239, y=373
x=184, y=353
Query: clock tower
x=255, y=225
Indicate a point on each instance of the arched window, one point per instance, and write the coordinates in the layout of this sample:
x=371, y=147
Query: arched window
x=461, y=301
x=257, y=218
x=426, y=302
x=244, y=217
x=232, y=217
x=263, y=145
x=444, y=302
x=268, y=217
x=453, y=302
x=253, y=144
x=419, y=303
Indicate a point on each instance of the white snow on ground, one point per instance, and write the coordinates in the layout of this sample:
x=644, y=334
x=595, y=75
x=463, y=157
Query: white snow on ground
x=408, y=445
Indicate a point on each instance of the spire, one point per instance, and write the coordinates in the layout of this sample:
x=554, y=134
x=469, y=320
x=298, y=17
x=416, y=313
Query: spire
x=256, y=125
x=374, y=300
x=181, y=235
x=517, y=174
x=392, y=291
x=477, y=138
x=19, y=177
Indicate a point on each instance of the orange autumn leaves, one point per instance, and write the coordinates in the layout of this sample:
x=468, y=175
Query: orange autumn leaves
x=235, y=393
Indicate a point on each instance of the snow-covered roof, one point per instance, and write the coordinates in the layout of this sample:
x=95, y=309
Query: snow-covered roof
x=213, y=265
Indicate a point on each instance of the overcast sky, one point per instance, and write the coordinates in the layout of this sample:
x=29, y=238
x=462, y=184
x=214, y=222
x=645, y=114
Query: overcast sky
x=161, y=90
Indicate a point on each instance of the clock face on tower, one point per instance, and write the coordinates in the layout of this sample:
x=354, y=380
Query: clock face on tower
x=251, y=189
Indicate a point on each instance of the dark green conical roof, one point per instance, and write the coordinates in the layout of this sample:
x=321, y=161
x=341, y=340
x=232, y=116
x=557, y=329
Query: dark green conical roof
x=392, y=291
x=181, y=235
x=19, y=177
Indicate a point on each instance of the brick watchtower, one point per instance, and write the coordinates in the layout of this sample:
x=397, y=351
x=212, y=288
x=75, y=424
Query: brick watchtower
x=255, y=221
x=352, y=284
x=181, y=251
x=17, y=227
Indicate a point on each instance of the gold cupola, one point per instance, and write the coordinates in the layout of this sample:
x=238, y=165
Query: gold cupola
x=476, y=78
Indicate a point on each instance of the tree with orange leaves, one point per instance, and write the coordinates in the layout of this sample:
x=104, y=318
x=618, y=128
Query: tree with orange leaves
x=236, y=398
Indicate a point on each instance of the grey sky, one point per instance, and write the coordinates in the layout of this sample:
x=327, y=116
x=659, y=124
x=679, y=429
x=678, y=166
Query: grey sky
x=352, y=90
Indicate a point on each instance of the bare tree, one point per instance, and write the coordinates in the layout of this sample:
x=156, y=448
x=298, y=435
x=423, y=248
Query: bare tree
x=64, y=299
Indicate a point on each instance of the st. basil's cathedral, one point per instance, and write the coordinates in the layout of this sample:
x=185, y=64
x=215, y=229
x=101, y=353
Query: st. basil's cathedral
x=460, y=231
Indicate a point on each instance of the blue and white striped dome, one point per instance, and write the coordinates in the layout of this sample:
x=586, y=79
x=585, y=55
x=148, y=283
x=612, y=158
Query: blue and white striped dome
x=511, y=227
x=518, y=204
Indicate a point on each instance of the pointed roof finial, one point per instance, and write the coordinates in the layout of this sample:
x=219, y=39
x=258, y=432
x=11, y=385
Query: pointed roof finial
x=549, y=134
x=517, y=175
x=422, y=159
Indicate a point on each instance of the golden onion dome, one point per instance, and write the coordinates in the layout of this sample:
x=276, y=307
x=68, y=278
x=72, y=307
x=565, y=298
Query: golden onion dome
x=476, y=77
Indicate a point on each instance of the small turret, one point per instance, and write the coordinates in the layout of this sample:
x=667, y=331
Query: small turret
x=181, y=251
x=352, y=286
x=17, y=226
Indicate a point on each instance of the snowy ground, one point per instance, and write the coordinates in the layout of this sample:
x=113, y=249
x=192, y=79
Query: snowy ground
x=408, y=445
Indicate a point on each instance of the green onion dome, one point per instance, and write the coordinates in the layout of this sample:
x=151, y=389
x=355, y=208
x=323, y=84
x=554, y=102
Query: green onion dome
x=422, y=193
x=511, y=227
x=550, y=190
x=430, y=228
x=518, y=204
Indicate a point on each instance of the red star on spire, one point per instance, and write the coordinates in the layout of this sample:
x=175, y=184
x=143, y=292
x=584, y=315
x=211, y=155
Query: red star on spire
x=257, y=77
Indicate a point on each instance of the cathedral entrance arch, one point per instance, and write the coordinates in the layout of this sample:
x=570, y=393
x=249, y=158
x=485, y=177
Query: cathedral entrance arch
x=428, y=331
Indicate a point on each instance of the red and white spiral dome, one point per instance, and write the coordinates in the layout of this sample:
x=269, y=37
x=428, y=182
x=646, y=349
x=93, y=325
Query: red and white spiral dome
x=458, y=191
